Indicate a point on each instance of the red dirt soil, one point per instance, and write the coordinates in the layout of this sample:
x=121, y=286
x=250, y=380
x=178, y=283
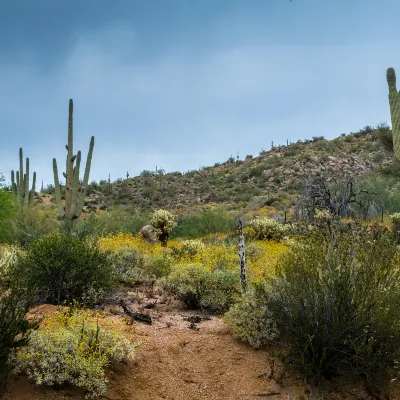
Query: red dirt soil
x=178, y=363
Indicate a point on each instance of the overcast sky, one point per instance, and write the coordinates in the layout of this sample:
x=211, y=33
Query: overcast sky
x=181, y=84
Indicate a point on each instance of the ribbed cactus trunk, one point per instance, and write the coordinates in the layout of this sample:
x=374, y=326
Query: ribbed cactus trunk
x=21, y=178
x=70, y=162
x=74, y=192
x=20, y=183
x=394, y=103
x=26, y=185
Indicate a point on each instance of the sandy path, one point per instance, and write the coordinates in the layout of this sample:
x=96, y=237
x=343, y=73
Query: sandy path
x=178, y=363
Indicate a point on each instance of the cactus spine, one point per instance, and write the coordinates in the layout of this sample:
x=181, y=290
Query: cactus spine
x=20, y=183
x=74, y=192
x=394, y=103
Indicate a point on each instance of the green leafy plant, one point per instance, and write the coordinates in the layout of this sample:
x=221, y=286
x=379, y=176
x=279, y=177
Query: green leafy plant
x=197, y=287
x=63, y=268
x=205, y=223
x=15, y=329
x=251, y=320
x=336, y=302
x=74, y=351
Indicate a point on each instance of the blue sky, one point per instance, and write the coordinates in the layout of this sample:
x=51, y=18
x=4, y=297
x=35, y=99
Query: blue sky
x=181, y=84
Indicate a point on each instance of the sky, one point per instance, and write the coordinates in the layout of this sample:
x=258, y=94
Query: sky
x=182, y=84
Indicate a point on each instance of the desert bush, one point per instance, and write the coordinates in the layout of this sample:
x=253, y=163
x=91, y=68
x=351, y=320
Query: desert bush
x=385, y=137
x=124, y=220
x=15, y=329
x=251, y=320
x=267, y=228
x=132, y=266
x=198, y=287
x=31, y=224
x=63, y=268
x=7, y=211
x=336, y=302
x=208, y=222
x=85, y=227
x=71, y=350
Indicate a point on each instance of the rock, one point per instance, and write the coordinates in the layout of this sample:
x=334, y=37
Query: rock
x=267, y=173
x=148, y=234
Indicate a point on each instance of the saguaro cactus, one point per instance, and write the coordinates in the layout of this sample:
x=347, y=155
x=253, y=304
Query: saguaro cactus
x=394, y=103
x=74, y=191
x=20, y=183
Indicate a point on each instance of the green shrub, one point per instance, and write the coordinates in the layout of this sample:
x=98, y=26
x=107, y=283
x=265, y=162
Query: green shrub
x=385, y=137
x=197, y=287
x=266, y=228
x=336, y=302
x=251, y=320
x=133, y=267
x=15, y=329
x=129, y=267
x=62, y=269
x=74, y=352
x=86, y=227
x=206, y=223
x=120, y=219
x=7, y=211
x=31, y=224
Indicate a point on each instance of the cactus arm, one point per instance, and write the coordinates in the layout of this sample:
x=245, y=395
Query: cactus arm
x=70, y=165
x=17, y=186
x=21, y=177
x=26, y=183
x=394, y=103
x=75, y=190
x=13, y=186
x=82, y=194
x=61, y=211
x=32, y=193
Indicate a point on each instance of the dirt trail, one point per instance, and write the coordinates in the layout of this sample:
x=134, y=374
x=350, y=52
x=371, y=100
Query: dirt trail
x=178, y=363
x=175, y=362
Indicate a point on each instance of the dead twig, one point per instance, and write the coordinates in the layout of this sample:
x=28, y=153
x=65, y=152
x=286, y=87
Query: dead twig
x=134, y=315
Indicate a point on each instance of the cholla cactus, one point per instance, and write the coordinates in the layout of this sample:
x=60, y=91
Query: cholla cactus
x=163, y=222
x=192, y=247
x=323, y=216
x=8, y=260
x=395, y=219
x=267, y=228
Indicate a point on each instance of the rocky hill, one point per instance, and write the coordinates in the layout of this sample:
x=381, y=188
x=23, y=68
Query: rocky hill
x=272, y=178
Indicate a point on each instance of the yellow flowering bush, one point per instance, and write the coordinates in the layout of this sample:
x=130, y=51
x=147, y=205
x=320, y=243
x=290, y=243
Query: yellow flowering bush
x=261, y=256
x=73, y=348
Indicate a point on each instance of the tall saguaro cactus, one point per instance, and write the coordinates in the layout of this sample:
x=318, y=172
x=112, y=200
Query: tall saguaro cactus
x=394, y=103
x=74, y=191
x=20, y=183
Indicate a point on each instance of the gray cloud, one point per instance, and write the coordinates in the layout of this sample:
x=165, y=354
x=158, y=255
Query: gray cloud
x=182, y=108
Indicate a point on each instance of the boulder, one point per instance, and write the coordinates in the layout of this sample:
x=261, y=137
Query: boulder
x=148, y=234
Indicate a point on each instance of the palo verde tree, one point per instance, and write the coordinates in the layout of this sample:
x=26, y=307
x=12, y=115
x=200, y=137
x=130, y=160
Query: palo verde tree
x=75, y=190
